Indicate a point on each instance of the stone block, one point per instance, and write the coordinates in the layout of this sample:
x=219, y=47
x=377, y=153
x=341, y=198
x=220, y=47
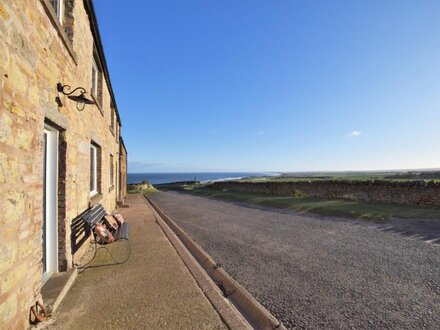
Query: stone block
x=8, y=254
x=5, y=129
x=12, y=169
x=24, y=233
x=13, y=278
x=23, y=139
x=34, y=94
x=14, y=108
x=32, y=178
x=3, y=160
x=4, y=58
x=3, y=11
x=13, y=206
x=49, y=74
x=30, y=212
x=26, y=248
x=8, y=309
x=9, y=233
x=18, y=78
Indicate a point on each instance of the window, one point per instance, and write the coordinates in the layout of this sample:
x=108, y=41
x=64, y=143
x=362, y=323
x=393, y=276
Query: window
x=97, y=80
x=117, y=177
x=112, y=117
x=58, y=7
x=93, y=170
x=94, y=79
x=95, y=165
x=60, y=13
x=112, y=180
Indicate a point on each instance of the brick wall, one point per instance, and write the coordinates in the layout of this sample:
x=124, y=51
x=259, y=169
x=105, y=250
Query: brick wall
x=35, y=54
x=410, y=192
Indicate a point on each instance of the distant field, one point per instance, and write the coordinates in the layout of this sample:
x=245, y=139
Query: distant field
x=334, y=207
x=353, y=176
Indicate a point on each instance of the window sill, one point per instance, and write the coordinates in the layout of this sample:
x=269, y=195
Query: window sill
x=56, y=23
x=95, y=199
x=98, y=104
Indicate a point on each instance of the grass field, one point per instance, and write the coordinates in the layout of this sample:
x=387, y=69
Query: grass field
x=335, y=207
x=352, y=176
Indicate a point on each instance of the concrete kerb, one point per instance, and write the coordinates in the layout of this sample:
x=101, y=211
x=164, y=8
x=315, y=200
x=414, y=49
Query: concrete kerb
x=255, y=313
x=59, y=298
x=65, y=289
x=227, y=311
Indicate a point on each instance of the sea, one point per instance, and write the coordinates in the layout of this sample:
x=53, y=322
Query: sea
x=157, y=178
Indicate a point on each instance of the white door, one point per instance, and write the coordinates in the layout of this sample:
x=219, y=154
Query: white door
x=50, y=203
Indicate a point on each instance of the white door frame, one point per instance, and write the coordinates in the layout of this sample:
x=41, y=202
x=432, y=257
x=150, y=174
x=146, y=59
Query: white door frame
x=50, y=218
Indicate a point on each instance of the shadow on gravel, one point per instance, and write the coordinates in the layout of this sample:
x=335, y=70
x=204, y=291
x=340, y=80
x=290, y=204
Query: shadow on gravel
x=425, y=230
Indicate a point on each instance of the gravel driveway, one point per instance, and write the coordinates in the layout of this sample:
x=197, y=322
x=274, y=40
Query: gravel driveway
x=316, y=272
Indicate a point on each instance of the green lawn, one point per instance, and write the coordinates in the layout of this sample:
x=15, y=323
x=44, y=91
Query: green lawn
x=335, y=207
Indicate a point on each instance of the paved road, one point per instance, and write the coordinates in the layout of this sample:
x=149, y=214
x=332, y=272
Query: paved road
x=315, y=272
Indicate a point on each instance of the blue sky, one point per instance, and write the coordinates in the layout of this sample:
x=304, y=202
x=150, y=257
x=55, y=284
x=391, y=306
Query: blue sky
x=275, y=85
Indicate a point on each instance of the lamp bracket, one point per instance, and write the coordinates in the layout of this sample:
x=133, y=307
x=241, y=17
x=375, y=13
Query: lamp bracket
x=65, y=89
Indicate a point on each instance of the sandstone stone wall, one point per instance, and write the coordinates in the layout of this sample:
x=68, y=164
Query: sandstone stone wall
x=410, y=192
x=35, y=54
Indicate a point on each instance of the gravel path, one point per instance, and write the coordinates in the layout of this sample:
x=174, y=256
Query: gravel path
x=315, y=272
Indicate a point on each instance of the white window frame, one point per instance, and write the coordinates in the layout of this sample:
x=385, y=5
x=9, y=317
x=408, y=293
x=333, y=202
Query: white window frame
x=94, y=170
x=112, y=171
x=59, y=10
x=51, y=207
x=95, y=73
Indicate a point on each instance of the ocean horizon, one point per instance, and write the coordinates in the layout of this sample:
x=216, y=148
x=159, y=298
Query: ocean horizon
x=157, y=178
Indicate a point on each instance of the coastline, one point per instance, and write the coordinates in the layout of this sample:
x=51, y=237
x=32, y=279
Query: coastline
x=203, y=177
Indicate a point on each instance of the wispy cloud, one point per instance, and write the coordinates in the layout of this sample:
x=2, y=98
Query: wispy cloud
x=353, y=134
x=259, y=133
x=140, y=164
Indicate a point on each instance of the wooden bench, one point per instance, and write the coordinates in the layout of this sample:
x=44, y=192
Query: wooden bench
x=96, y=215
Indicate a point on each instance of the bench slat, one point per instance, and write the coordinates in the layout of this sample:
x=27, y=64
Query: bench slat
x=95, y=212
x=98, y=217
x=94, y=215
x=122, y=232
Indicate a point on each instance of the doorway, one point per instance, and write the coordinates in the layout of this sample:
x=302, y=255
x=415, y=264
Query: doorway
x=50, y=203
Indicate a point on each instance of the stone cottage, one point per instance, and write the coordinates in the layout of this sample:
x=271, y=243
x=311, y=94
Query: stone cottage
x=58, y=155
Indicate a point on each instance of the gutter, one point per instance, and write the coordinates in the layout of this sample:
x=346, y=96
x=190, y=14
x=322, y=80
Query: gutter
x=90, y=9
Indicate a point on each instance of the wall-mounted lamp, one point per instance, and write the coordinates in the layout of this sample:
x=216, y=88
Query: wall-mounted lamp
x=81, y=99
